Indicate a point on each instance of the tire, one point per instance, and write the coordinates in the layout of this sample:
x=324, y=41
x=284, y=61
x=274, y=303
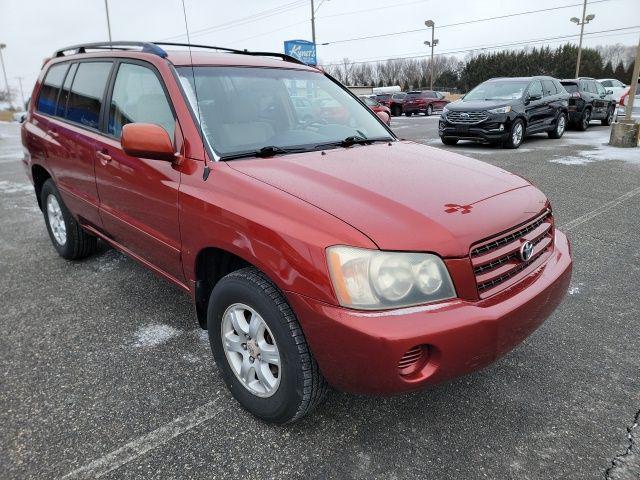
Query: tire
x=68, y=237
x=300, y=386
x=560, y=127
x=515, y=139
x=608, y=120
x=429, y=111
x=449, y=140
x=396, y=111
x=583, y=124
x=408, y=114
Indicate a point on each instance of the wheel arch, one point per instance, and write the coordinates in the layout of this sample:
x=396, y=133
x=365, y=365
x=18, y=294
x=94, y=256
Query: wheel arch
x=39, y=175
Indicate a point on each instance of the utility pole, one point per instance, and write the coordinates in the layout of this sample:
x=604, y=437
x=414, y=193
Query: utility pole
x=21, y=91
x=432, y=44
x=633, y=87
x=313, y=23
x=106, y=8
x=4, y=72
x=585, y=19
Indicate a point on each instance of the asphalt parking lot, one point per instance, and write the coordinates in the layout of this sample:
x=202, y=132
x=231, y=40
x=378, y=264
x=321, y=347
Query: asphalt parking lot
x=105, y=373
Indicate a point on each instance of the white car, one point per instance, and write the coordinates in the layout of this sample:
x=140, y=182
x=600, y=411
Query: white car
x=624, y=98
x=616, y=87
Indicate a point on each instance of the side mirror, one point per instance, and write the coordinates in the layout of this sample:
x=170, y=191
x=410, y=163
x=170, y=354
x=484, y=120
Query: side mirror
x=384, y=116
x=147, y=140
x=609, y=92
x=535, y=96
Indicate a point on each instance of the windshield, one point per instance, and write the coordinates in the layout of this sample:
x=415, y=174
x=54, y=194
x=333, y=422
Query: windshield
x=497, y=91
x=369, y=101
x=245, y=109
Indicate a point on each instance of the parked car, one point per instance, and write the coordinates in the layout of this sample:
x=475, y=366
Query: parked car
x=396, y=102
x=624, y=98
x=589, y=101
x=304, y=108
x=383, y=98
x=505, y=110
x=423, y=101
x=19, y=116
x=376, y=107
x=616, y=86
x=315, y=253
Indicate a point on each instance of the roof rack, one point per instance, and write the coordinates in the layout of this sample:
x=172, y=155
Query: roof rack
x=154, y=48
x=283, y=56
x=121, y=45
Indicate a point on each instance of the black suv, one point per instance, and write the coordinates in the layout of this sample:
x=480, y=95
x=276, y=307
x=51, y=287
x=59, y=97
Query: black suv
x=589, y=101
x=504, y=110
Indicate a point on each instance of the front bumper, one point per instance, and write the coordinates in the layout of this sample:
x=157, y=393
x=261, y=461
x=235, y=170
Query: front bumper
x=359, y=351
x=495, y=128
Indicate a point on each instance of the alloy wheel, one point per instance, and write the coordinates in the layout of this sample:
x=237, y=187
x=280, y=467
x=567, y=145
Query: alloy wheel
x=516, y=136
x=586, y=119
x=562, y=123
x=251, y=350
x=56, y=220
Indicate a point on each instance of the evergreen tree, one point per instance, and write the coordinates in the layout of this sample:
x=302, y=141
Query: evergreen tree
x=607, y=72
x=621, y=74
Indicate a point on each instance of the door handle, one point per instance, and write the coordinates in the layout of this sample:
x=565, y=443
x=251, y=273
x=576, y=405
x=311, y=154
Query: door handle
x=103, y=156
x=53, y=133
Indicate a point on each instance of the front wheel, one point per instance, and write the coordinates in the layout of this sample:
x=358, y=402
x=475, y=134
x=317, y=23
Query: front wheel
x=408, y=114
x=516, y=135
x=608, y=120
x=561, y=125
x=260, y=349
x=68, y=237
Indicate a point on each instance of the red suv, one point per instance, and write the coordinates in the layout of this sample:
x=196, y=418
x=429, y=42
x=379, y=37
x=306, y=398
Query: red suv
x=317, y=252
x=425, y=101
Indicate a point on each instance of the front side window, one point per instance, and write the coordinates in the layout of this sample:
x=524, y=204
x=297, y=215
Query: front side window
x=535, y=89
x=85, y=99
x=244, y=109
x=138, y=97
x=501, y=90
x=50, y=88
x=600, y=89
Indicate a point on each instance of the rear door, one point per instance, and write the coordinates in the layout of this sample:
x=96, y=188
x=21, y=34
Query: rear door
x=73, y=130
x=138, y=196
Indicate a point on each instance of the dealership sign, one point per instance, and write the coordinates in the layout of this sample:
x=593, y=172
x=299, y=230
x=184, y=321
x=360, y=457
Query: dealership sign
x=303, y=50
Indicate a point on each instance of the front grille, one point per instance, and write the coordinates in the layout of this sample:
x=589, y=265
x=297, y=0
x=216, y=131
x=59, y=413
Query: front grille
x=466, y=117
x=496, y=261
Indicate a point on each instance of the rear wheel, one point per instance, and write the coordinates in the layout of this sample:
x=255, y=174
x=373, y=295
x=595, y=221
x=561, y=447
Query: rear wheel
x=429, y=110
x=68, y=237
x=516, y=135
x=396, y=111
x=408, y=114
x=449, y=140
x=608, y=120
x=583, y=123
x=260, y=348
x=561, y=125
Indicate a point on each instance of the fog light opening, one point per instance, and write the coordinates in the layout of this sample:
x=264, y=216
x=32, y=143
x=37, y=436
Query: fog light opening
x=502, y=127
x=414, y=360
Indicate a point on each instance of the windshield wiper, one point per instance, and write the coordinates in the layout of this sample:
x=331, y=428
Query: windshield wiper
x=352, y=140
x=264, y=152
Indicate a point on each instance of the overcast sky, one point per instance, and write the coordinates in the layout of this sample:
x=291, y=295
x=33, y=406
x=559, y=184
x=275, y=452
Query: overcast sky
x=32, y=29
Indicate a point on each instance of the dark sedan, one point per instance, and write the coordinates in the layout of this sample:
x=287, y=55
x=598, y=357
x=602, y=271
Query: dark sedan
x=505, y=110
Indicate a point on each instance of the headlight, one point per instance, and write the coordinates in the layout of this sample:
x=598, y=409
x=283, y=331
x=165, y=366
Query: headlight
x=375, y=280
x=445, y=109
x=506, y=109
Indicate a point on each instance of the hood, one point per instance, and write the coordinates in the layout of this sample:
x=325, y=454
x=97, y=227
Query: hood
x=405, y=196
x=462, y=105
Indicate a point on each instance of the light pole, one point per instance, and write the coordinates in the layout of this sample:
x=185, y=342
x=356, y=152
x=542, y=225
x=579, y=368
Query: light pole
x=4, y=72
x=106, y=8
x=432, y=44
x=585, y=19
x=21, y=91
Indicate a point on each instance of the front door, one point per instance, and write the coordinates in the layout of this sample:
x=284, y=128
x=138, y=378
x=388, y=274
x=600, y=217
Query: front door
x=536, y=107
x=138, y=196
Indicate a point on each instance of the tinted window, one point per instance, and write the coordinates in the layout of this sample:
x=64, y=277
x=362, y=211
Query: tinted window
x=413, y=95
x=399, y=96
x=570, y=87
x=138, y=97
x=66, y=89
x=599, y=88
x=549, y=87
x=535, y=88
x=85, y=99
x=50, y=88
x=384, y=96
x=606, y=83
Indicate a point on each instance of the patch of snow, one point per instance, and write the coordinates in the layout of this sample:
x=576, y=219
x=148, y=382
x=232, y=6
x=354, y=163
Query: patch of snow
x=571, y=160
x=575, y=289
x=15, y=187
x=153, y=335
x=109, y=261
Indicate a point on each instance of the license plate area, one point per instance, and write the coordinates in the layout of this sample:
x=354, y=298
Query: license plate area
x=462, y=128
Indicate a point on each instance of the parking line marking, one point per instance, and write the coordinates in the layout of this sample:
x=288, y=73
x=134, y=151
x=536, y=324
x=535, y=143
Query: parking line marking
x=600, y=210
x=145, y=443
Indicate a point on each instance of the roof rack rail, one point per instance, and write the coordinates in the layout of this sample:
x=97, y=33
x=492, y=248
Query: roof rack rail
x=147, y=47
x=283, y=56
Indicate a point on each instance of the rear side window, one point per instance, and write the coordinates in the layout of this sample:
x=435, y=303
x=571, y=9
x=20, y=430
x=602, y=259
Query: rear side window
x=138, y=97
x=50, y=88
x=85, y=99
x=549, y=87
x=66, y=89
